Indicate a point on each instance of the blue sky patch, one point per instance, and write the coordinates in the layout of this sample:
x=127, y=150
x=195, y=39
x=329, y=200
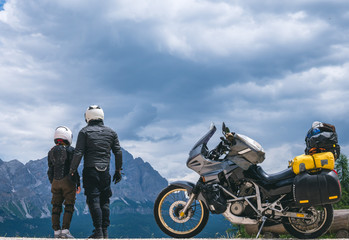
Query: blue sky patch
x=2, y=2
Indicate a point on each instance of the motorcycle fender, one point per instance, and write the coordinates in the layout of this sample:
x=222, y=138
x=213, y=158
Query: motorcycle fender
x=184, y=184
x=189, y=187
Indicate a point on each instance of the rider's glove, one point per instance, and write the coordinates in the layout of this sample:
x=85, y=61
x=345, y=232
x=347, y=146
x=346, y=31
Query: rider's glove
x=117, y=176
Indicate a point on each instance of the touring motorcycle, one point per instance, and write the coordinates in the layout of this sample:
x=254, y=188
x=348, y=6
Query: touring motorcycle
x=232, y=184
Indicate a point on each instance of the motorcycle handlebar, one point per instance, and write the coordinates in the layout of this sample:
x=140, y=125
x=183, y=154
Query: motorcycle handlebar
x=226, y=142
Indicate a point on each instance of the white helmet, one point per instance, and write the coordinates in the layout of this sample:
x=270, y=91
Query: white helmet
x=94, y=112
x=63, y=133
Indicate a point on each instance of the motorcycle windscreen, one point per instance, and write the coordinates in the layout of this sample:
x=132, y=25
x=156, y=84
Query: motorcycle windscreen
x=316, y=189
x=205, y=138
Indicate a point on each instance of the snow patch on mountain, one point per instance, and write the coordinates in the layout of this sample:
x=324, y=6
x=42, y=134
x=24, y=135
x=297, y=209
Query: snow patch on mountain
x=46, y=212
x=27, y=215
x=125, y=201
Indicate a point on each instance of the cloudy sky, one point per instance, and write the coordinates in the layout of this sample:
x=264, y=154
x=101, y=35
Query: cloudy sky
x=163, y=70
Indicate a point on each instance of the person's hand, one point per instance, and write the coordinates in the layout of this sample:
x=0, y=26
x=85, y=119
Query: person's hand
x=78, y=190
x=117, y=176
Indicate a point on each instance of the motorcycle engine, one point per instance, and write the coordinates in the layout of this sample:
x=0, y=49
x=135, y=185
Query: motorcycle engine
x=246, y=189
x=237, y=208
x=242, y=207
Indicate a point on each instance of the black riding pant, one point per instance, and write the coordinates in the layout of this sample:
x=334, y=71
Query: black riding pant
x=97, y=190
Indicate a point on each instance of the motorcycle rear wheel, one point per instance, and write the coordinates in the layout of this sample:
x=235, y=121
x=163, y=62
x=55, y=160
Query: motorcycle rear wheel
x=313, y=228
x=166, y=212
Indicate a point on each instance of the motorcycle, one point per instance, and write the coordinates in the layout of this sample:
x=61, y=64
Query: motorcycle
x=232, y=184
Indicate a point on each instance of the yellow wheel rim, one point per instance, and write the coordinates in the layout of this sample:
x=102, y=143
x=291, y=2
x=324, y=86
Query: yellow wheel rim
x=166, y=225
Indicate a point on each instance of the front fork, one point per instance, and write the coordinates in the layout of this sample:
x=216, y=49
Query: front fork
x=193, y=195
x=183, y=212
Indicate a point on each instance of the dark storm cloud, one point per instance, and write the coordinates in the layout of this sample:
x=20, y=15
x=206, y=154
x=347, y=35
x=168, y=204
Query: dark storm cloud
x=163, y=70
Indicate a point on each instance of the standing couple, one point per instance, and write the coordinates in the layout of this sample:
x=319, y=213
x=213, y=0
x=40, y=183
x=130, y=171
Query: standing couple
x=94, y=143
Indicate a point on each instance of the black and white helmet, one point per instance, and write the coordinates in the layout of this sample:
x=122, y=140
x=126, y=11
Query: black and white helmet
x=94, y=112
x=322, y=137
x=63, y=133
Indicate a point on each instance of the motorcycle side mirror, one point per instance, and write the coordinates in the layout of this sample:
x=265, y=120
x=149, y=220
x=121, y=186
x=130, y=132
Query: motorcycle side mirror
x=225, y=129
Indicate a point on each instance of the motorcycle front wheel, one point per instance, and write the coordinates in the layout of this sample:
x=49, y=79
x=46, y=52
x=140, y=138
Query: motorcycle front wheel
x=167, y=209
x=320, y=222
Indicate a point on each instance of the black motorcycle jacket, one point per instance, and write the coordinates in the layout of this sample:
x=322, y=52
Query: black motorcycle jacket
x=59, y=159
x=94, y=143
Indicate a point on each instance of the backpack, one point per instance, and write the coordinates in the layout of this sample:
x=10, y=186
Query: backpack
x=322, y=137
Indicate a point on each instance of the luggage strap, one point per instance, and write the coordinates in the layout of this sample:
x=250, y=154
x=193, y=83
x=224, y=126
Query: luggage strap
x=314, y=162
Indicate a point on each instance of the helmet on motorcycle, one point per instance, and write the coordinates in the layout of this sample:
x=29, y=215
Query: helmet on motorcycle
x=63, y=133
x=94, y=112
x=322, y=137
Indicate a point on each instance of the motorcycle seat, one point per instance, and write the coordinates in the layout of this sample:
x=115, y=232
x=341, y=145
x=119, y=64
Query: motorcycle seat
x=275, y=177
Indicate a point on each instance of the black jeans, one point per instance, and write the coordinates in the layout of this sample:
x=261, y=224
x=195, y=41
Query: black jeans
x=97, y=190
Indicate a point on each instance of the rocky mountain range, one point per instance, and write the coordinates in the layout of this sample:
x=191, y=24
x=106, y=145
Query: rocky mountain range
x=25, y=191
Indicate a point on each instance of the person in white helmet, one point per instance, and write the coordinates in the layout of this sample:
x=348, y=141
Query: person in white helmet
x=95, y=143
x=62, y=187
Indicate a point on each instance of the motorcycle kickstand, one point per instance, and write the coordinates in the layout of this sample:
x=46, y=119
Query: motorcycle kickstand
x=264, y=218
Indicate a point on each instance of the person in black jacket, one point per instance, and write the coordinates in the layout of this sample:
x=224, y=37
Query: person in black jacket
x=63, y=189
x=95, y=141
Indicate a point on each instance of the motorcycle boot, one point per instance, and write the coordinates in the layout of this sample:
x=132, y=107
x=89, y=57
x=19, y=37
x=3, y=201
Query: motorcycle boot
x=105, y=232
x=97, y=233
